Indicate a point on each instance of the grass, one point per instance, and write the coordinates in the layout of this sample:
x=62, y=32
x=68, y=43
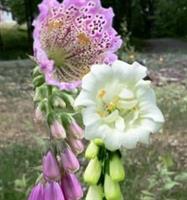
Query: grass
x=17, y=170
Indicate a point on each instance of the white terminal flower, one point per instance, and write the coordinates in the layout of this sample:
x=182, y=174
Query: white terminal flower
x=118, y=105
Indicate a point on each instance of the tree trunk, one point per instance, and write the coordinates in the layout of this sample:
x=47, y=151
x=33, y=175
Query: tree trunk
x=29, y=19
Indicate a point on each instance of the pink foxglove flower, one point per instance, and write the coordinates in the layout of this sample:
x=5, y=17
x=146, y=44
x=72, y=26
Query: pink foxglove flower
x=75, y=130
x=53, y=191
x=50, y=167
x=76, y=145
x=71, y=187
x=69, y=161
x=37, y=193
x=71, y=36
x=57, y=130
x=38, y=115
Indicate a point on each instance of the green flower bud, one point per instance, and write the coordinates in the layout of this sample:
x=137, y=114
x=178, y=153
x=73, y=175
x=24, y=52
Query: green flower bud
x=91, y=151
x=117, y=172
x=38, y=81
x=51, y=117
x=111, y=189
x=36, y=72
x=40, y=93
x=93, y=172
x=58, y=102
x=99, y=142
x=67, y=98
x=95, y=192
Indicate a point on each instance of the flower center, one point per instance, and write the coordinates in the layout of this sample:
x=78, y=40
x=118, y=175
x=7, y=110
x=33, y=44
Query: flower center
x=122, y=106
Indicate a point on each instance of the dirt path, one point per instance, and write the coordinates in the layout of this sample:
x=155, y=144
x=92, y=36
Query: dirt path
x=16, y=107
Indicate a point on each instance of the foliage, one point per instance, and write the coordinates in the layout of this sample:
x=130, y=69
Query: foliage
x=14, y=42
x=22, y=8
x=16, y=171
x=151, y=176
x=170, y=18
x=145, y=18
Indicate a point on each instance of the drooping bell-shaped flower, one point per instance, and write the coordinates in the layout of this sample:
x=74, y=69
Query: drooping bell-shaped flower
x=95, y=192
x=53, y=191
x=111, y=189
x=38, y=115
x=71, y=187
x=71, y=36
x=51, y=169
x=69, y=161
x=93, y=172
x=75, y=130
x=76, y=145
x=92, y=150
x=57, y=130
x=117, y=172
x=37, y=193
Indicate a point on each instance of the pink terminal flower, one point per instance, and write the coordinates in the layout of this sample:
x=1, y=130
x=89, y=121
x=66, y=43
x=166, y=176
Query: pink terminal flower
x=71, y=187
x=37, y=193
x=75, y=130
x=57, y=130
x=69, y=161
x=76, y=145
x=51, y=169
x=71, y=36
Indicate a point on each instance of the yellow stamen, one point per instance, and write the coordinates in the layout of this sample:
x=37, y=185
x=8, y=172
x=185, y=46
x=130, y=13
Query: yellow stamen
x=111, y=106
x=101, y=93
x=102, y=114
x=55, y=24
x=83, y=39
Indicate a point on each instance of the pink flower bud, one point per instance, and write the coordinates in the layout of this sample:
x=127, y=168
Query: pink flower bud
x=71, y=187
x=76, y=145
x=38, y=116
x=69, y=161
x=52, y=191
x=57, y=130
x=50, y=167
x=37, y=193
x=75, y=130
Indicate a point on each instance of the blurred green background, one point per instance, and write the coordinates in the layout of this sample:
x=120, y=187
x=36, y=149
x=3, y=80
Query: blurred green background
x=154, y=34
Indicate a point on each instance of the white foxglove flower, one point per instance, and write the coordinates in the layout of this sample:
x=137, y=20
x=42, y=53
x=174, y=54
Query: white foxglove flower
x=118, y=105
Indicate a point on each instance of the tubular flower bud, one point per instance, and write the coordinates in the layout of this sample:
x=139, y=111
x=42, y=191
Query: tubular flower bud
x=75, y=130
x=57, y=130
x=69, y=161
x=117, y=172
x=91, y=151
x=50, y=167
x=37, y=193
x=111, y=189
x=76, y=145
x=58, y=102
x=93, y=172
x=40, y=93
x=71, y=187
x=38, y=115
x=95, y=192
x=53, y=191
